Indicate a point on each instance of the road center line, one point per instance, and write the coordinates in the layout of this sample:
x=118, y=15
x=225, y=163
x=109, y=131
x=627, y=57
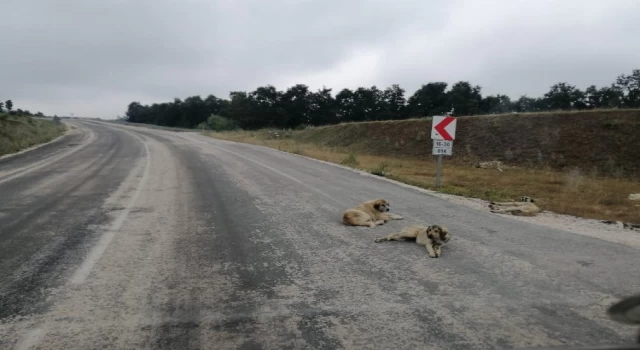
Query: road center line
x=81, y=274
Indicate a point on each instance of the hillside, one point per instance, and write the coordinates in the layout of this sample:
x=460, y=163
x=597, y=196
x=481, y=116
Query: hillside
x=608, y=141
x=20, y=132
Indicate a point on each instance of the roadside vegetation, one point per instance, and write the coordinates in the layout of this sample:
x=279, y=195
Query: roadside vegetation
x=18, y=132
x=591, y=191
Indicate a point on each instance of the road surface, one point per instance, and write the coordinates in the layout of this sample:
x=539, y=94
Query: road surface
x=125, y=237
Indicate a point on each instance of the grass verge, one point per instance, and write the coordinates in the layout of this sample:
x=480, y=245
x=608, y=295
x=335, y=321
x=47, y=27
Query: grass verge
x=20, y=132
x=564, y=192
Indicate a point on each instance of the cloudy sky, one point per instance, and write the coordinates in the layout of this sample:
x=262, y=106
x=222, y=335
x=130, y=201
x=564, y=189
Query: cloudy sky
x=92, y=58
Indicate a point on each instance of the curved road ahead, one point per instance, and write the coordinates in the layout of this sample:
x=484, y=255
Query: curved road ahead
x=122, y=237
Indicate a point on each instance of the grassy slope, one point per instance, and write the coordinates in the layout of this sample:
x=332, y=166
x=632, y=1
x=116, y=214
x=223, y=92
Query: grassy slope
x=17, y=133
x=606, y=141
x=584, y=164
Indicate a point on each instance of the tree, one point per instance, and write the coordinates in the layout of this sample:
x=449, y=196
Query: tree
x=242, y=106
x=528, y=104
x=136, y=113
x=564, y=96
x=465, y=98
x=322, y=108
x=264, y=104
x=1, y=106
x=430, y=99
x=629, y=85
x=345, y=105
x=216, y=105
x=496, y=104
x=394, y=103
x=9, y=105
x=365, y=103
x=294, y=107
x=194, y=112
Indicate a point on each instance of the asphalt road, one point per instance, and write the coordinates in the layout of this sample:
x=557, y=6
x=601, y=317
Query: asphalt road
x=122, y=237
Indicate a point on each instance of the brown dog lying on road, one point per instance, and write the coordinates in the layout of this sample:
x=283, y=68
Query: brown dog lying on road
x=525, y=207
x=432, y=237
x=370, y=213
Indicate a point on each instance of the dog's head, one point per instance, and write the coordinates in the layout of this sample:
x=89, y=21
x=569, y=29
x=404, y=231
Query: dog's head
x=381, y=205
x=438, y=234
x=526, y=199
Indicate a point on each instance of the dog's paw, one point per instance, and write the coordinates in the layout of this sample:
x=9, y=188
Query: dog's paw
x=433, y=256
x=372, y=224
x=380, y=222
x=399, y=218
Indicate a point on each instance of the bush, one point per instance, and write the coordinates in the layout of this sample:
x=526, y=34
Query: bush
x=218, y=123
x=381, y=170
x=202, y=126
x=351, y=160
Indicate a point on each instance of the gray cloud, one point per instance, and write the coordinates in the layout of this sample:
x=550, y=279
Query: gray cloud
x=93, y=58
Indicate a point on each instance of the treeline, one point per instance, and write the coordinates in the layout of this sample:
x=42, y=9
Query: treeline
x=296, y=106
x=7, y=107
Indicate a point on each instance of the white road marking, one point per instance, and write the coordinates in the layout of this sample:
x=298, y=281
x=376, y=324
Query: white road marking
x=81, y=274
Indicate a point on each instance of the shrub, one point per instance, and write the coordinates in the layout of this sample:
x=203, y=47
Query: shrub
x=218, y=123
x=380, y=170
x=351, y=160
x=202, y=126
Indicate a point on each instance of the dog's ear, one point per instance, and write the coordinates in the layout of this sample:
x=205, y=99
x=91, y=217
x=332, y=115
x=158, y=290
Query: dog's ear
x=430, y=232
x=378, y=203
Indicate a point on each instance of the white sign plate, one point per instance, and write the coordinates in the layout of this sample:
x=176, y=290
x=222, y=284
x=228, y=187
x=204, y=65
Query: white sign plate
x=442, y=148
x=443, y=128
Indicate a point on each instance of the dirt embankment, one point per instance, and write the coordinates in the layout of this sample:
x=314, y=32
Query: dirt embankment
x=607, y=141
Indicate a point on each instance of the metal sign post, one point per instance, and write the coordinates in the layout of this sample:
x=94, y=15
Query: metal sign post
x=443, y=132
x=441, y=148
x=439, y=171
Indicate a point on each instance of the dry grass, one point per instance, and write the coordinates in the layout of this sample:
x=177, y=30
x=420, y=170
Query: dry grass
x=20, y=132
x=570, y=192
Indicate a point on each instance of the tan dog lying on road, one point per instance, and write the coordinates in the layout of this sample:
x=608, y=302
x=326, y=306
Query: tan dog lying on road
x=524, y=207
x=370, y=213
x=432, y=237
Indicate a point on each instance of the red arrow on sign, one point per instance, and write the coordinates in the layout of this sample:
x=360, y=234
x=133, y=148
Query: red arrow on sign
x=440, y=128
